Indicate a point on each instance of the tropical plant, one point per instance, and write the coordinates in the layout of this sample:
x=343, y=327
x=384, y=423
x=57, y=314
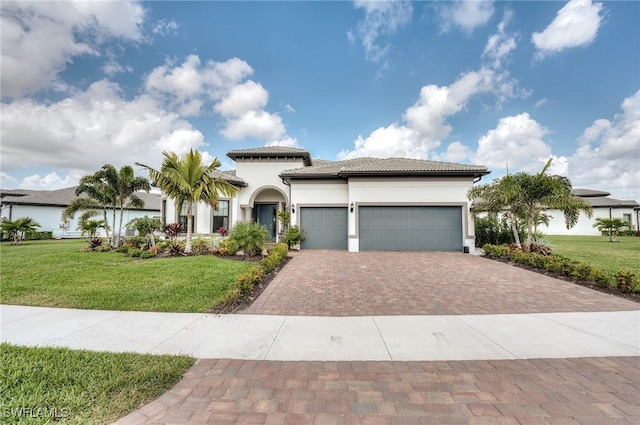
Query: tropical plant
x=90, y=227
x=611, y=226
x=526, y=196
x=293, y=236
x=108, y=189
x=146, y=226
x=187, y=181
x=223, y=231
x=19, y=228
x=250, y=237
x=285, y=217
x=173, y=230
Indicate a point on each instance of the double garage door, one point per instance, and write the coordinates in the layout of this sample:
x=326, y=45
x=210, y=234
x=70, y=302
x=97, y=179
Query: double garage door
x=391, y=228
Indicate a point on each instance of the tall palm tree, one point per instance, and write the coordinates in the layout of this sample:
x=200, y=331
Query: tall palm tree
x=525, y=196
x=122, y=185
x=98, y=200
x=188, y=181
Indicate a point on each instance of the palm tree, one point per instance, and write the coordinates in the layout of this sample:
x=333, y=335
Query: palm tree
x=188, y=181
x=543, y=191
x=610, y=225
x=122, y=186
x=525, y=196
x=108, y=189
x=19, y=228
x=90, y=227
x=501, y=196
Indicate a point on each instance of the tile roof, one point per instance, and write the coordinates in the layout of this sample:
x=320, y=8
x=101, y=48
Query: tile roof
x=585, y=193
x=385, y=167
x=271, y=151
x=229, y=176
x=62, y=198
x=605, y=201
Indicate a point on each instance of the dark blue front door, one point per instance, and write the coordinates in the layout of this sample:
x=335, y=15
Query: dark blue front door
x=265, y=214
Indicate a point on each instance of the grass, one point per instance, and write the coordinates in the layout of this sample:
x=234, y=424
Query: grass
x=57, y=274
x=599, y=252
x=44, y=385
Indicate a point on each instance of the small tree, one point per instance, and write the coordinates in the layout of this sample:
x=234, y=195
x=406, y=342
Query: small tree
x=146, y=226
x=285, y=217
x=251, y=237
x=293, y=236
x=19, y=228
x=611, y=226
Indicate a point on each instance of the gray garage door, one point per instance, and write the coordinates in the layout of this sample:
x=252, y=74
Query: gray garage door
x=410, y=228
x=324, y=228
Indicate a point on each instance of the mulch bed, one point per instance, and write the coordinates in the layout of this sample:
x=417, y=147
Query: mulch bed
x=248, y=299
x=632, y=296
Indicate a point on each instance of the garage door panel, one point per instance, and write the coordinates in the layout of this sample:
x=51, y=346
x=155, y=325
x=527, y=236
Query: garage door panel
x=410, y=228
x=324, y=227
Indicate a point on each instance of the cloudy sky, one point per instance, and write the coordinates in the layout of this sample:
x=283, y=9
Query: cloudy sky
x=479, y=82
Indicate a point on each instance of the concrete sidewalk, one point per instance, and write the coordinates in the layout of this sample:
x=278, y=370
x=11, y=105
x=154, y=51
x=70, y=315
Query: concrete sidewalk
x=255, y=337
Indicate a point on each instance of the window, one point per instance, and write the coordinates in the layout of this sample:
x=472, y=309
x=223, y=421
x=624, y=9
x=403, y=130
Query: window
x=183, y=219
x=221, y=216
x=627, y=219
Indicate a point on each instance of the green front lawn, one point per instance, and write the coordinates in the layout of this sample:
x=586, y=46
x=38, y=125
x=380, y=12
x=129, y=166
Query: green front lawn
x=599, y=252
x=46, y=385
x=57, y=274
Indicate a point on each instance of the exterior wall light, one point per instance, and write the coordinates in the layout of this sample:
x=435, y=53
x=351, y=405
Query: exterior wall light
x=352, y=206
x=293, y=208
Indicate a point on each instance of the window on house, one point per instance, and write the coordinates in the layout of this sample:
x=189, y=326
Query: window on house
x=627, y=219
x=182, y=218
x=221, y=216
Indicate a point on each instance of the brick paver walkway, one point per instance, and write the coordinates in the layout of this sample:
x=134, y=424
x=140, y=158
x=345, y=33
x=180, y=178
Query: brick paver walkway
x=519, y=392
x=338, y=283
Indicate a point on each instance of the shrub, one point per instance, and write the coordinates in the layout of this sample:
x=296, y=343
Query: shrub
x=498, y=251
x=147, y=254
x=249, y=237
x=627, y=281
x=40, y=235
x=201, y=246
x=581, y=271
x=95, y=243
x=223, y=231
x=176, y=248
x=136, y=242
x=226, y=247
x=293, y=236
x=122, y=249
x=600, y=278
x=173, y=230
x=134, y=252
x=494, y=231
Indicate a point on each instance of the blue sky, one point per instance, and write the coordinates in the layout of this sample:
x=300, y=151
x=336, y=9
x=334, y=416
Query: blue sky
x=479, y=82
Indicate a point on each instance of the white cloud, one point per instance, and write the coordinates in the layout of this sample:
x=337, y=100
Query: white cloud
x=51, y=181
x=257, y=123
x=541, y=102
x=164, y=27
x=289, y=108
x=7, y=180
x=456, y=152
x=576, y=24
x=40, y=38
x=382, y=18
x=608, y=157
x=243, y=98
x=91, y=128
x=112, y=67
x=500, y=44
x=516, y=141
x=466, y=15
x=288, y=142
x=425, y=124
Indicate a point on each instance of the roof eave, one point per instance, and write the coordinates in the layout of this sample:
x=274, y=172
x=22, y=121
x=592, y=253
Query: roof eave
x=306, y=158
x=469, y=173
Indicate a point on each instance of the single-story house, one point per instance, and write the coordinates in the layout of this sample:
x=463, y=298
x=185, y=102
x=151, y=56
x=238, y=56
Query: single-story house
x=46, y=207
x=603, y=207
x=364, y=204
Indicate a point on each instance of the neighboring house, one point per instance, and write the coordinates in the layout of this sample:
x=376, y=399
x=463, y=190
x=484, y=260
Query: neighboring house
x=364, y=204
x=46, y=207
x=603, y=207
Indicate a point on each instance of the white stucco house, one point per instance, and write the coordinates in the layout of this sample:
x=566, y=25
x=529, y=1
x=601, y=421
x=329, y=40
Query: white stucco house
x=603, y=207
x=46, y=207
x=394, y=204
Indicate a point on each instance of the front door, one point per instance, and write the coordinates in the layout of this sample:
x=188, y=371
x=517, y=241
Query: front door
x=265, y=214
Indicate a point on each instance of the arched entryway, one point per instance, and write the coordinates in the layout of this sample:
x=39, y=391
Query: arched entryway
x=264, y=205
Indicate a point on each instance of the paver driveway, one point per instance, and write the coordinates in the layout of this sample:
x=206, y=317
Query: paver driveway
x=339, y=283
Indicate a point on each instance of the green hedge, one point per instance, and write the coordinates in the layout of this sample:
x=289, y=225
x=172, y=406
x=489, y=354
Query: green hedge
x=245, y=282
x=34, y=236
x=624, y=280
